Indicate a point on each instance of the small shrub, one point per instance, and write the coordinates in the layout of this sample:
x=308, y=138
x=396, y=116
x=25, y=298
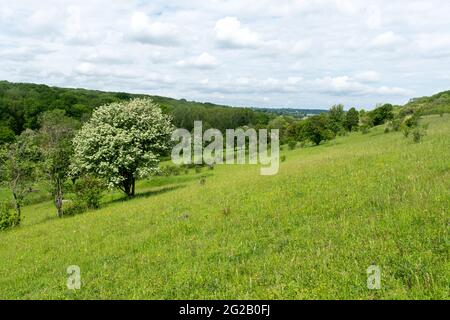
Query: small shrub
x=184, y=216
x=292, y=144
x=170, y=171
x=365, y=129
x=418, y=134
x=88, y=191
x=406, y=131
x=198, y=169
x=202, y=181
x=8, y=217
x=74, y=207
x=395, y=125
x=387, y=130
x=176, y=170
x=226, y=211
x=283, y=158
x=412, y=121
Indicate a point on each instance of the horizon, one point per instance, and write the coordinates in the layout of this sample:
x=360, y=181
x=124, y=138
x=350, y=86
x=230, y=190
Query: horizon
x=346, y=108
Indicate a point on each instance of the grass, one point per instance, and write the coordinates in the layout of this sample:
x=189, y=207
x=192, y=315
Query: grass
x=309, y=232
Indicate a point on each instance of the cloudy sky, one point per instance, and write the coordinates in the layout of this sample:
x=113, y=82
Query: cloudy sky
x=284, y=53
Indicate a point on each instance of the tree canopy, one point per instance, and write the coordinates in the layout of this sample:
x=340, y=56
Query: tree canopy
x=123, y=142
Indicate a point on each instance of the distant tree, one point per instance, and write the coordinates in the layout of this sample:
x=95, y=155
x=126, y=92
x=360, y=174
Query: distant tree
x=352, y=119
x=55, y=135
x=18, y=169
x=6, y=135
x=317, y=129
x=381, y=114
x=123, y=142
x=294, y=131
x=281, y=123
x=337, y=118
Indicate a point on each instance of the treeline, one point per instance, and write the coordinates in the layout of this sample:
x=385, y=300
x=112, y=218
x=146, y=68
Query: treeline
x=436, y=104
x=328, y=125
x=296, y=113
x=21, y=105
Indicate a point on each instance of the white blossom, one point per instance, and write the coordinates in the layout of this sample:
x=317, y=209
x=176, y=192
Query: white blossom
x=122, y=139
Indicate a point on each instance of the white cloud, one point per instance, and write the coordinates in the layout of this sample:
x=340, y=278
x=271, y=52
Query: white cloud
x=298, y=53
x=347, y=6
x=368, y=76
x=433, y=45
x=73, y=30
x=24, y=54
x=301, y=47
x=86, y=69
x=344, y=85
x=385, y=39
x=374, y=17
x=203, y=61
x=153, y=32
x=230, y=33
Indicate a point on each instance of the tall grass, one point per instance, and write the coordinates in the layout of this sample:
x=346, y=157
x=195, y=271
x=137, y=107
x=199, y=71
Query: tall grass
x=309, y=232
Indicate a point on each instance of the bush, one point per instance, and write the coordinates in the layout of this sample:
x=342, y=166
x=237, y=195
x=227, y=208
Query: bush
x=406, y=131
x=8, y=217
x=88, y=191
x=418, y=134
x=292, y=144
x=74, y=207
x=283, y=158
x=381, y=114
x=387, y=130
x=170, y=170
x=412, y=121
x=394, y=125
x=365, y=129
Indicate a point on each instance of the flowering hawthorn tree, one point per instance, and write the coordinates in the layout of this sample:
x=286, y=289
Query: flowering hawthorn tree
x=123, y=142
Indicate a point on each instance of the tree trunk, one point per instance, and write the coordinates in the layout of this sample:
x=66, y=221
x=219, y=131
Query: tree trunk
x=59, y=198
x=17, y=208
x=129, y=185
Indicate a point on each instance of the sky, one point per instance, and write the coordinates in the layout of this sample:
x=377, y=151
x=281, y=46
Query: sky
x=260, y=53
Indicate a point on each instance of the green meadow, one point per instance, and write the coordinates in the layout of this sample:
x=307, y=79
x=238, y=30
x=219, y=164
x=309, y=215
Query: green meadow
x=309, y=232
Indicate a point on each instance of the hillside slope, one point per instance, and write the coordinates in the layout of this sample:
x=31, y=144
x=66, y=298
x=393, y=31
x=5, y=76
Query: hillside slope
x=436, y=104
x=309, y=232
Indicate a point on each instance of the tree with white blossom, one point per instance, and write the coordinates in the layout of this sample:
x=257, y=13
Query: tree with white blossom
x=123, y=142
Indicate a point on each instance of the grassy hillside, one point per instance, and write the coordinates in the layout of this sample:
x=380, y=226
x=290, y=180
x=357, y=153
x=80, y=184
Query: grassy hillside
x=309, y=232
